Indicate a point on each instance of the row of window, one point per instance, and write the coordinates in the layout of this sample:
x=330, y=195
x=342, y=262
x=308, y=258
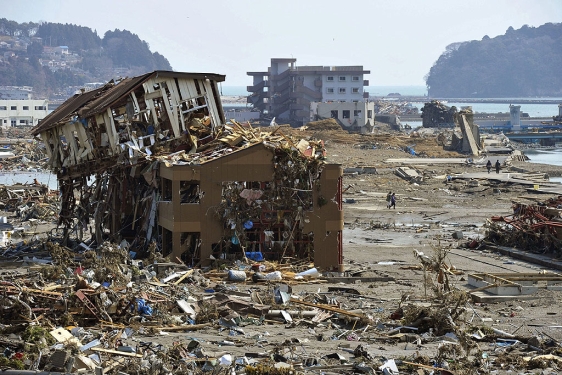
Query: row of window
x=24, y=108
x=342, y=90
x=14, y=122
x=346, y=113
x=342, y=78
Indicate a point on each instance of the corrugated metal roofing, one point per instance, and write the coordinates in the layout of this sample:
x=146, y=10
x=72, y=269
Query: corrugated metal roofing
x=98, y=100
x=70, y=106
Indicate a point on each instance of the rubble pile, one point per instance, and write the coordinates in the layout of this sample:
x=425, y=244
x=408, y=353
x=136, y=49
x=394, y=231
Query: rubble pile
x=531, y=227
x=28, y=156
x=99, y=310
x=437, y=114
x=395, y=108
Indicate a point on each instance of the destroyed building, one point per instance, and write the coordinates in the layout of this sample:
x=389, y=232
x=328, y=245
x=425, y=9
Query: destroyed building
x=151, y=159
x=465, y=136
x=436, y=114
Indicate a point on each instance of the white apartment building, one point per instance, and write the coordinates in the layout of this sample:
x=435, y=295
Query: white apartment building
x=354, y=116
x=286, y=90
x=22, y=112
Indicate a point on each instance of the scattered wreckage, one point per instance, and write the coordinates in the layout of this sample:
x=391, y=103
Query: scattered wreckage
x=531, y=227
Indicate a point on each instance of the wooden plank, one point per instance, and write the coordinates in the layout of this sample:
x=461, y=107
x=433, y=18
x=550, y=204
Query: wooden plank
x=45, y=138
x=188, y=273
x=116, y=352
x=212, y=105
x=148, y=88
x=176, y=99
x=153, y=95
x=193, y=327
x=112, y=132
x=172, y=114
x=85, y=145
x=326, y=307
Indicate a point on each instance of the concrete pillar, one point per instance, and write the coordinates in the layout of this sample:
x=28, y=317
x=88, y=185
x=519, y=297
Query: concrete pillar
x=515, y=117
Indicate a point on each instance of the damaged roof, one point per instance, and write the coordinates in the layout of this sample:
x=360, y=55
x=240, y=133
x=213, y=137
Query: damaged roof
x=98, y=100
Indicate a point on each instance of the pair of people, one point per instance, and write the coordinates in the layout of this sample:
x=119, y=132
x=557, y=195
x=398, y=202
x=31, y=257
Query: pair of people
x=391, y=200
x=497, y=165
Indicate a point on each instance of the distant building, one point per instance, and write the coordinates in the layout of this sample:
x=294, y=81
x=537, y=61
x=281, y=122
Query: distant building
x=353, y=116
x=285, y=91
x=22, y=112
x=16, y=92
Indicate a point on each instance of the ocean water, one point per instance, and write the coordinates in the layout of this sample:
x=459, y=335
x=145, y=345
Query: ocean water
x=534, y=110
x=545, y=156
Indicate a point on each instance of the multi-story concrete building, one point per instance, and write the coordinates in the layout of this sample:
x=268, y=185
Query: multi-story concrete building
x=285, y=91
x=26, y=112
x=353, y=116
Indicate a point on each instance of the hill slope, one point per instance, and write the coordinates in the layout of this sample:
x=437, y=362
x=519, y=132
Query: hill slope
x=521, y=63
x=55, y=58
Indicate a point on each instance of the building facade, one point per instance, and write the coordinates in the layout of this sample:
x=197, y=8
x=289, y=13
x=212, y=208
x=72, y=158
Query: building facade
x=285, y=91
x=22, y=112
x=352, y=116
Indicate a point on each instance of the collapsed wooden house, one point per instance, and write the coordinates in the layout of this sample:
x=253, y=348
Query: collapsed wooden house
x=151, y=159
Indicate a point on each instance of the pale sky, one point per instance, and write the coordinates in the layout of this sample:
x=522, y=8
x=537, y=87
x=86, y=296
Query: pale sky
x=397, y=40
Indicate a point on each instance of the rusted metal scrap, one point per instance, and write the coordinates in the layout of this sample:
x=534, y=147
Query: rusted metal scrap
x=536, y=227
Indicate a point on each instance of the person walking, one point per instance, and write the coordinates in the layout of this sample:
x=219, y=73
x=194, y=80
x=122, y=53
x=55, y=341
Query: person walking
x=498, y=165
x=388, y=199
x=489, y=166
x=392, y=201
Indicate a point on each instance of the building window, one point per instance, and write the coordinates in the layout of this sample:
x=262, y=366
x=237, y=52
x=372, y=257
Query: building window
x=370, y=113
x=355, y=78
x=40, y=108
x=330, y=78
x=26, y=108
x=334, y=114
x=342, y=78
x=13, y=108
x=345, y=113
x=330, y=90
x=355, y=90
x=357, y=113
x=13, y=122
x=189, y=192
x=23, y=122
x=342, y=90
x=3, y=108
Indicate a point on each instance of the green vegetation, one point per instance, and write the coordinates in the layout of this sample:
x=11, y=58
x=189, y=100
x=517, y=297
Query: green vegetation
x=521, y=63
x=33, y=57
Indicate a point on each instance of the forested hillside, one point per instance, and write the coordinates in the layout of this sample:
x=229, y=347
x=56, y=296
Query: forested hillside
x=54, y=58
x=522, y=63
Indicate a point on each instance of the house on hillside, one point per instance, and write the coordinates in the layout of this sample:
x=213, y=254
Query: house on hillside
x=150, y=161
x=285, y=90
